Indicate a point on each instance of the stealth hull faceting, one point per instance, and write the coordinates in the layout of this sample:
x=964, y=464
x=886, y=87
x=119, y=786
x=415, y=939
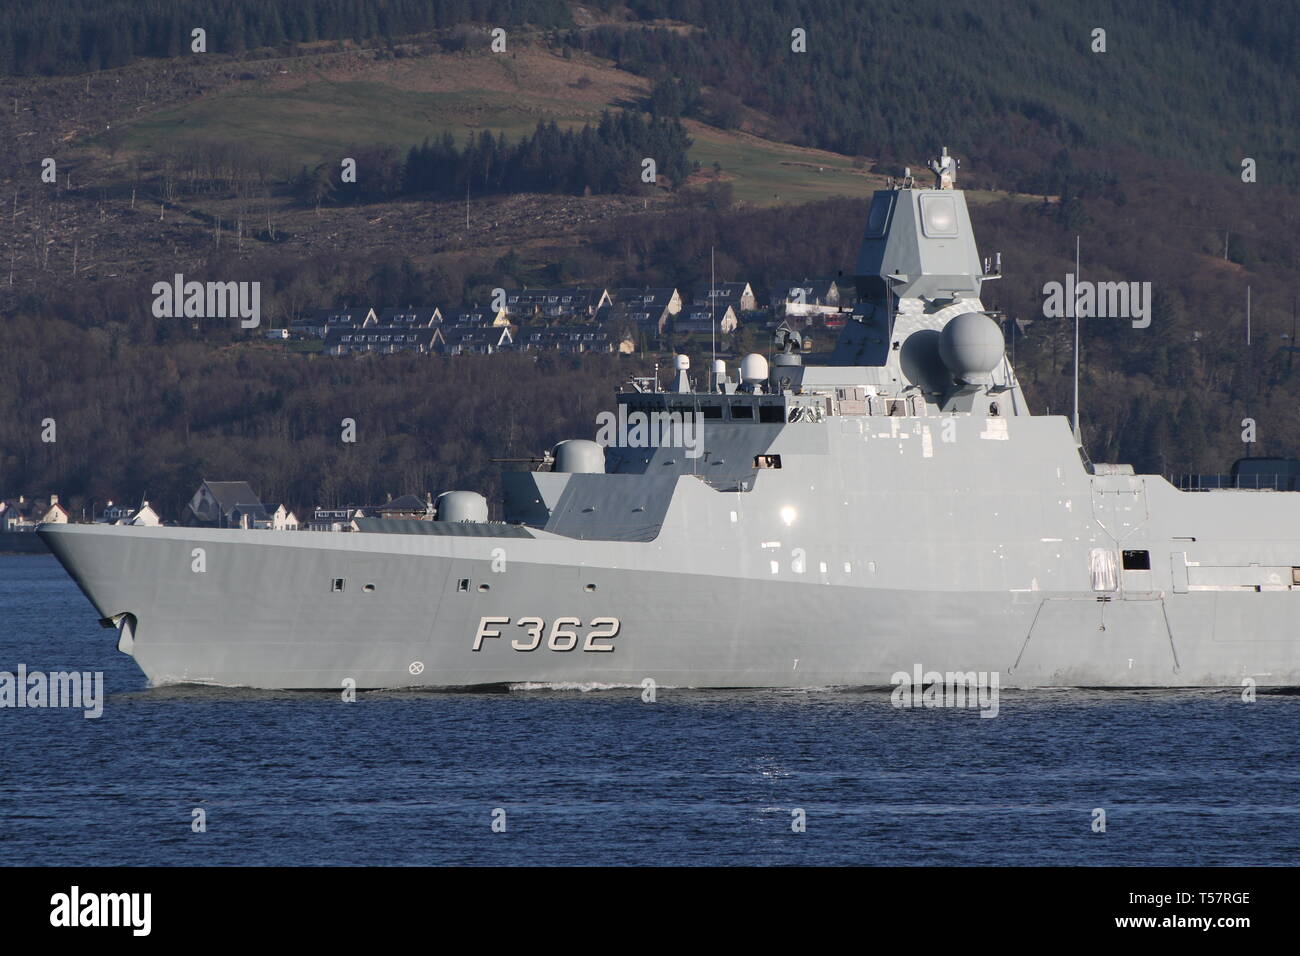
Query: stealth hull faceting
x=832, y=526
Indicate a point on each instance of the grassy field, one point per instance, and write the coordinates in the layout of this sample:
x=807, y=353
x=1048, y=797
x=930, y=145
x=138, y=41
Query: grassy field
x=321, y=120
x=765, y=173
x=322, y=112
x=318, y=115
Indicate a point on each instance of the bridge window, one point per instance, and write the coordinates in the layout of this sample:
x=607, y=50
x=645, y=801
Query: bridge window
x=742, y=413
x=1137, y=560
x=771, y=414
x=879, y=214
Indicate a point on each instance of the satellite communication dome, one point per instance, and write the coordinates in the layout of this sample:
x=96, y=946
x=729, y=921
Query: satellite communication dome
x=753, y=369
x=971, y=345
x=719, y=368
x=682, y=362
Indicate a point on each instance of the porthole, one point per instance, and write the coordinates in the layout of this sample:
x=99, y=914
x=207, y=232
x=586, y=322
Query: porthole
x=368, y=588
x=483, y=587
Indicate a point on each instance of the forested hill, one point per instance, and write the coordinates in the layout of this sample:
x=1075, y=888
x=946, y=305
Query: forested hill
x=1205, y=80
x=1210, y=81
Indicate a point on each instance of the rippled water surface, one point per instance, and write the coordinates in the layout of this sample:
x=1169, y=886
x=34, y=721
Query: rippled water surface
x=599, y=777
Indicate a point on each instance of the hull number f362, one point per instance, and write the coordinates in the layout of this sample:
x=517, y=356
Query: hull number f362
x=562, y=636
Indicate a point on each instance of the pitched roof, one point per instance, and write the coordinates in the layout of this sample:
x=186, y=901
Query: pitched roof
x=723, y=291
x=411, y=316
x=569, y=299
x=703, y=313
x=494, y=334
x=556, y=335
x=474, y=315
x=255, y=510
x=345, y=317
x=229, y=494
x=381, y=336
x=814, y=289
x=658, y=298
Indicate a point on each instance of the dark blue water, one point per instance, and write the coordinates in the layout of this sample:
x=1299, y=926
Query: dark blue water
x=602, y=778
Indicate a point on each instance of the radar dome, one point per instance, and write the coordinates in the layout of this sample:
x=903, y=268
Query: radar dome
x=971, y=345
x=753, y=369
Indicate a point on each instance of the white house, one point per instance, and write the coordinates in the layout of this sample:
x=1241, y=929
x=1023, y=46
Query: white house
x=113, y=514
x=146, y=516
x=282, y=519
x=56, y=513
x=14, y=515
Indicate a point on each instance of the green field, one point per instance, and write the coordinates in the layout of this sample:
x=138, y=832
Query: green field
x=766, y=174
x=322, y=118
x=311, y=119
x=316, y=121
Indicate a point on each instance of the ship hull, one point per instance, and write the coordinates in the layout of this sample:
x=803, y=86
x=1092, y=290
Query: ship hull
x=259, y=609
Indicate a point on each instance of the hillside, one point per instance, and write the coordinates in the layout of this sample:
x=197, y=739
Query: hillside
x=192, y=165
x=1206, y=82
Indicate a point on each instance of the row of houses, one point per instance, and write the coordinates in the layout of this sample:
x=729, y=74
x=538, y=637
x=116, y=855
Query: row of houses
x=223, y=504
x=24, y=514
x=216, y=504
x=234, y=504
x=459, y=341
x=577, y=319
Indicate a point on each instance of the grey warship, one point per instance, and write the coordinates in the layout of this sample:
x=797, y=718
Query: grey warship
x=777, y=525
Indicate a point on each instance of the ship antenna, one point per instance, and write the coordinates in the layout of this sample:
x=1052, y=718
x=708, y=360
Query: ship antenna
x=1248, y=315
x=713, y=324
x=1291, y=356
x=1074, y=307
x=1250, y=364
